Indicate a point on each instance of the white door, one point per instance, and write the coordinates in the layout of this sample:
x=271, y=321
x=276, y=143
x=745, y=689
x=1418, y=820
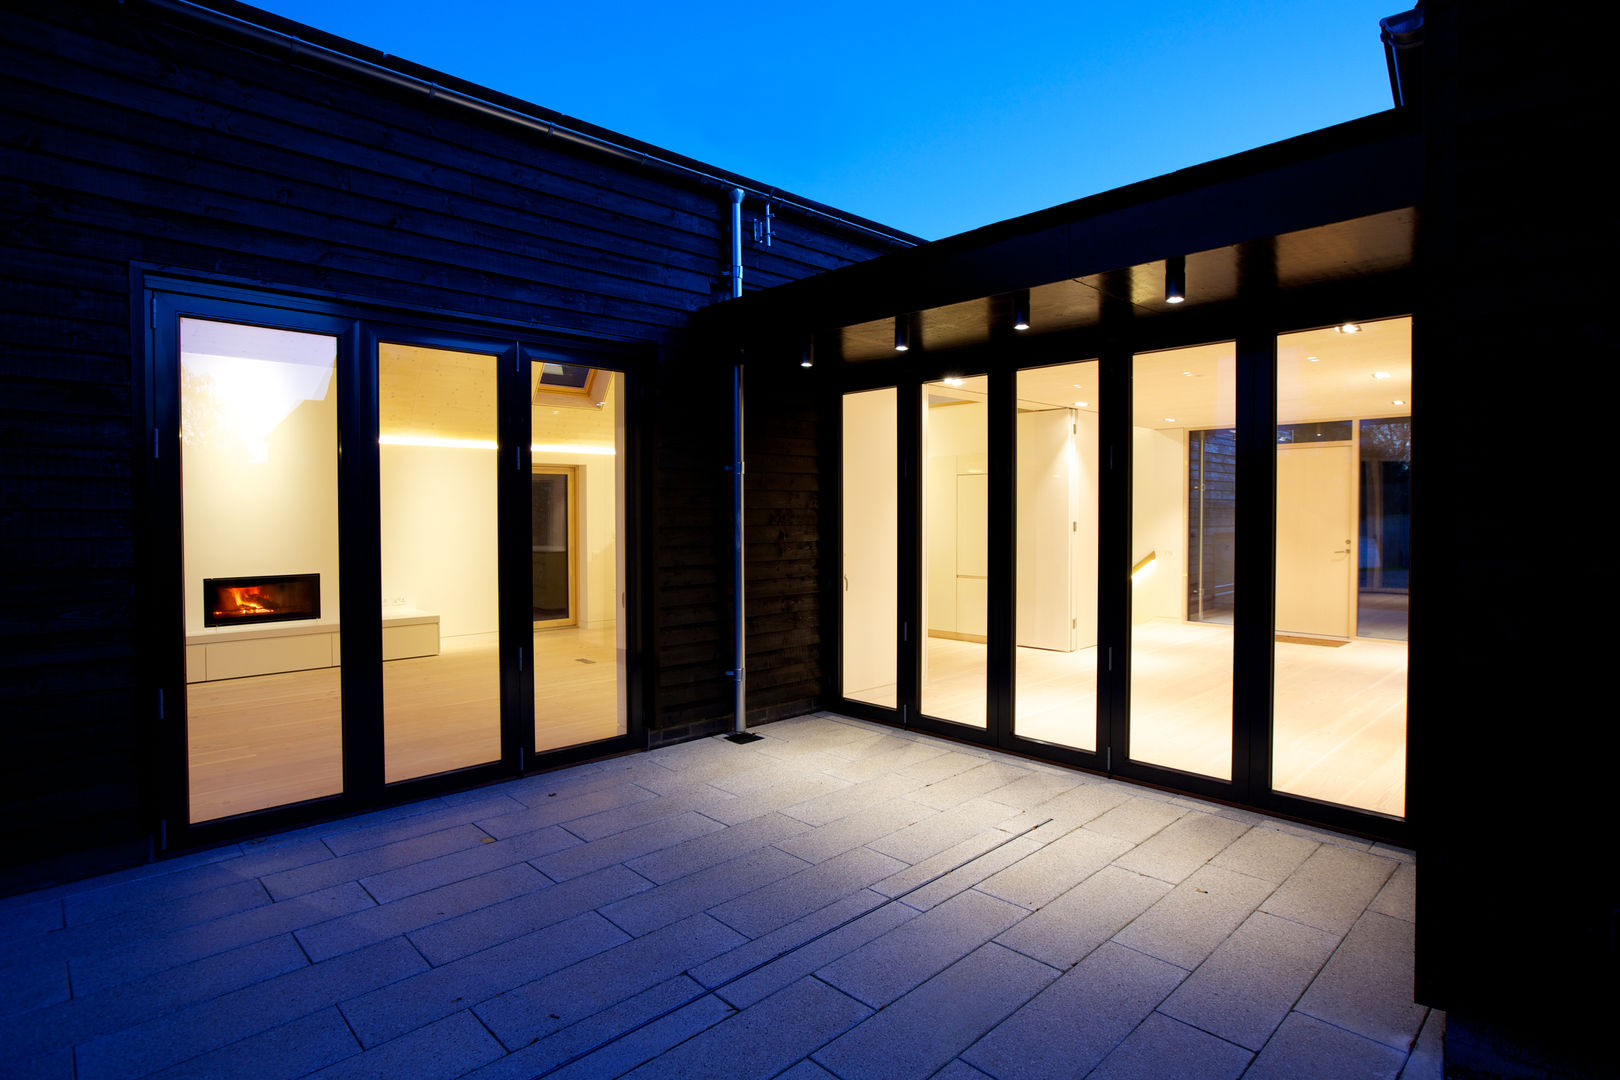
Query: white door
x=1315, y=539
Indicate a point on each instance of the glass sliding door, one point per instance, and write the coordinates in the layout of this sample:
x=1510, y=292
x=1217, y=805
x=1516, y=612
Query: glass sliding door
x=1182, y=598
x=437, y=460
x=955, y=549
x=1343, y=460
x=576, y=537
x=870, y=542
x=259, y=493
x=1055, y=660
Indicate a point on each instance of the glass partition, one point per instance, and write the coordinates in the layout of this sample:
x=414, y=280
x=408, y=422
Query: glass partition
x=577, y=523
x=870, y=575
x=1343, y=515
x=437, y=463
x=1055, y=662
x=1182, y=590
x=956, y=507
x=258, y=462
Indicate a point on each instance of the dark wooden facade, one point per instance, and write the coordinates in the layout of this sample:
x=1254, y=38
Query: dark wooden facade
x=165, y=137
x=137, y=135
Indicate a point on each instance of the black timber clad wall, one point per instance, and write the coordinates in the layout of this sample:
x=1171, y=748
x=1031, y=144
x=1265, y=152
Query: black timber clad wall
x=132, y=137
x=1514, y=567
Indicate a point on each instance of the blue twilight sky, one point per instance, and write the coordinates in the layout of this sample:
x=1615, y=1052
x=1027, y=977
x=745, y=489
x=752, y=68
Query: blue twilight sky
x=932, y=118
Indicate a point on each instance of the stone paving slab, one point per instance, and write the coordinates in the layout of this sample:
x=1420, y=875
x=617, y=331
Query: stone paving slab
x=1161, y=1047
x=1363, y=987
x=1091, y=1008
x=99, y=970
x=407, y=1003
x=763, y=1039
x=1252, y=980
x=538, y=1008
x=922, y=1031
x=840, y=899
x=216, y=1023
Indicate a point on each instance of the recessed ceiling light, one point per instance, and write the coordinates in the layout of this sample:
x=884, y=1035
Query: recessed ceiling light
x=1187, y=373
x=1169, y=419
x=1348, y=328
x=1080, y=404
x=1314, y=359
x=952, y=380
x=1397, y=401
x=1380, y=374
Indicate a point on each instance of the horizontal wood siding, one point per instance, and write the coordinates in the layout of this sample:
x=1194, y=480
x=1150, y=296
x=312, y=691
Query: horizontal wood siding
x=133, y=137
x=782, y=515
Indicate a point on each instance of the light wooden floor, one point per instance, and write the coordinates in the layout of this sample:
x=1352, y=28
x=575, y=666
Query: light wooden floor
x=1340, y=713
x=276, y=739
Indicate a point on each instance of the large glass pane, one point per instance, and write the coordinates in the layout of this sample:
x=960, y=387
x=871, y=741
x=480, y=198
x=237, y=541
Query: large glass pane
x=1343, y=461
x=440, y=613
x=1055, y=666
x=956, y=507
x=576, y=514
x=258, y=459
x=1182, y=497
x=871, y=503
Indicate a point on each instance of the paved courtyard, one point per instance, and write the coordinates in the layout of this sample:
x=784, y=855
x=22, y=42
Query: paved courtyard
x=837, y=899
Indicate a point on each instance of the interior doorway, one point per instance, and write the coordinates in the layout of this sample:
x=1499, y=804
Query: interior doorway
x=553, y=546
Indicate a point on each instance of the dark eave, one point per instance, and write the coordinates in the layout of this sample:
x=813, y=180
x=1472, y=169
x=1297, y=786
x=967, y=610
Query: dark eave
x=1367, y=171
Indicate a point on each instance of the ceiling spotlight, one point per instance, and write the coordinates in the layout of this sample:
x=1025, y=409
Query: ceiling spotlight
x=1080, y=404
x=1397, y=401
x=1169, y=419
x=1020, y=315
x=1380, y=374
x=952, y=380
x=1348, y=328
x=902, y=333
x=1175, y=279
x=1314, y=359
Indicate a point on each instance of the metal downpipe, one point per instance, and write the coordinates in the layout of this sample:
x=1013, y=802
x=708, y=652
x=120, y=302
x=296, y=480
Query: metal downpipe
x=740, y=722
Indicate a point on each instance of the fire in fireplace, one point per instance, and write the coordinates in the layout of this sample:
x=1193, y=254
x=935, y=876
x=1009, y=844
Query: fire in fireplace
x=239, y=601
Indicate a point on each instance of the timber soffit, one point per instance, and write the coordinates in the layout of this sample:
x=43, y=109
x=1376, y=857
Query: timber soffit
x=299, y=42
x=1366, y=170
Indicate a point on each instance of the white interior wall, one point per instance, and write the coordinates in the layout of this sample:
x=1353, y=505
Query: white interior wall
x=956, y=440
x=1087, y=443
x=1046, y=536
x=1158, y=495
x=871, y=508
x=438, y=534
x=277, y=515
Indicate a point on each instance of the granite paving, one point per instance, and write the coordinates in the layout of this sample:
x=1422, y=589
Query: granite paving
x=838, y=899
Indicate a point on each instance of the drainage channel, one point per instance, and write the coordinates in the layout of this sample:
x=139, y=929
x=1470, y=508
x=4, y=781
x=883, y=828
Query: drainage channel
x=713, y=990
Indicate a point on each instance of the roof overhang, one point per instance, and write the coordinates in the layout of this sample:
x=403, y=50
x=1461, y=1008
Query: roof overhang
x=1336, y=207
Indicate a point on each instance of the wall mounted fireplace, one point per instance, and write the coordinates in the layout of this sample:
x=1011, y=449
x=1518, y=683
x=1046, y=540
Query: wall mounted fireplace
x=239, y=601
